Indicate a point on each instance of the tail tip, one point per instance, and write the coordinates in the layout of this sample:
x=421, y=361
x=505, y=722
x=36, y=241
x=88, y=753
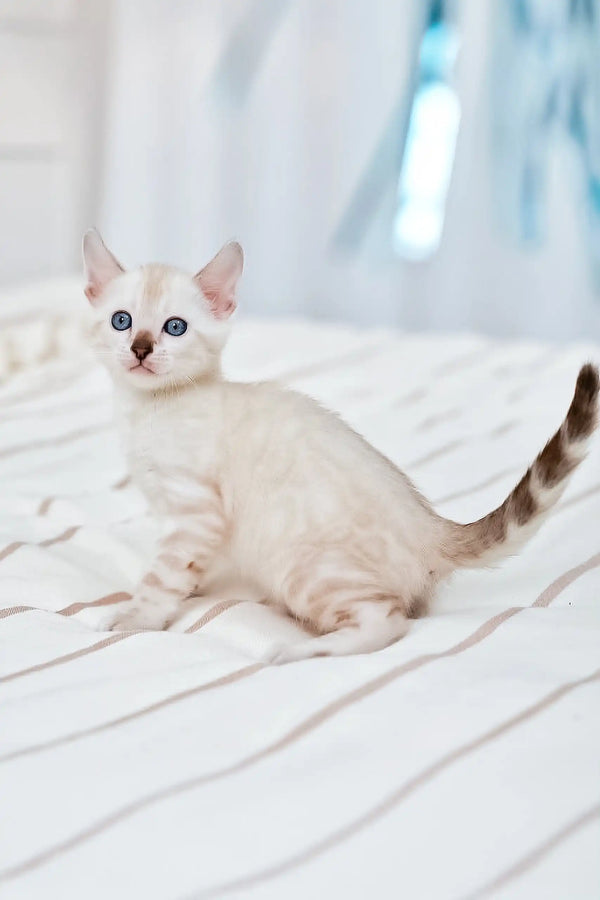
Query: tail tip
x=588, y=383
x=583, y=414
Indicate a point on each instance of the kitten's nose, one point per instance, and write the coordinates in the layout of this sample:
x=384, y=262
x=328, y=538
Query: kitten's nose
x=142, y=345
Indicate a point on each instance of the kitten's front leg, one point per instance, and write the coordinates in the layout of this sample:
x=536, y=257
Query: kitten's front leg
x=181, y=561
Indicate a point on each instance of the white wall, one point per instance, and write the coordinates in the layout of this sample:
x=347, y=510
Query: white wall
x=51, y=116
x=190, y=166
x=182, y=160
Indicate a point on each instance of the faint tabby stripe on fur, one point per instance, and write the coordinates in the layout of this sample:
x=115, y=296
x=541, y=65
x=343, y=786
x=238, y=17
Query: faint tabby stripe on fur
x=564, y=580
x=68, y=657
x=536, y=855
x=223, y=680
x=396, y=797
x=321, y=847
x=211, y=614
x=55, y=441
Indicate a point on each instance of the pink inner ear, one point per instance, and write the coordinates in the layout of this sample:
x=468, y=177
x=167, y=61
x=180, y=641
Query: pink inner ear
x=91, y=291
x=218, y=280
x=222, y=302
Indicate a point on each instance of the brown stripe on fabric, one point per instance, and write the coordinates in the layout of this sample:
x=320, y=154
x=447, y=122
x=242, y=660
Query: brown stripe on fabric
x=47, y=502
x=453, y=445
x=582, y=495
x=504, y=428
x=211, y=614
x=117, y=597
x=564, y=580
x=540, y=362
x=536, y=855
x=299, y=731
x=47, y=410
x=465, y=492
x=63, y=536
x=10, y=548
x=107, y=600
x=436, y=453
x=462, y=361
x=351, y=357
x=14, y=610
x=230, y=678
x=16, y=545
x=68, y=657
x=433, y=420
x=314, y=721
x=49, y=386
x=396, y=797
x=315, y=850
x=54, y=441
x=445, y=368
x=412, y=397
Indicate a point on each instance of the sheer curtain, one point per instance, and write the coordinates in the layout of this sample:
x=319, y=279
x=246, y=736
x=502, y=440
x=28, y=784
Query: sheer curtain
x=280, y=123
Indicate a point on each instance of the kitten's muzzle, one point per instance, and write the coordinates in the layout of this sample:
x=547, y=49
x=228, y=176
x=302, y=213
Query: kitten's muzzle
x=142, y=345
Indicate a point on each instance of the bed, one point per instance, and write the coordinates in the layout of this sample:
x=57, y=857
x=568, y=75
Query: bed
x=462, y=762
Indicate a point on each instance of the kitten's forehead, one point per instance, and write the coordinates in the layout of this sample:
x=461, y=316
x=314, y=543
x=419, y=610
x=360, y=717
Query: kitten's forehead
x=154, y=291
x=162, y=286
x=157, y=283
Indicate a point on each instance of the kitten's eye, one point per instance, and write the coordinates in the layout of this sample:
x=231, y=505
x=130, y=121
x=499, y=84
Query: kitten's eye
x=176, y=327
x=121, y=321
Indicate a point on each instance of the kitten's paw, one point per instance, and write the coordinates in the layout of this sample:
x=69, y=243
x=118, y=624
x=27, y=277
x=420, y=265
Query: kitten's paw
x=287, y=653
x=140, y=618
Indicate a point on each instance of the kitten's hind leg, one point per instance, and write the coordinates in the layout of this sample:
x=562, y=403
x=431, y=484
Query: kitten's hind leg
x=364, y=626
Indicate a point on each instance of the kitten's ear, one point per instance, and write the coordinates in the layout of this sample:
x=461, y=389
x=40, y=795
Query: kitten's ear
x=99, y=264
x=218, y=280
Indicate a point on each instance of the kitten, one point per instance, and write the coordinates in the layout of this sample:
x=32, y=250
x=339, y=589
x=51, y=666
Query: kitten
x=264, y=485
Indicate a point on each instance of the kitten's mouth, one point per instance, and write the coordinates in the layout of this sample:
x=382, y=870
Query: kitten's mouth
x=141, y=369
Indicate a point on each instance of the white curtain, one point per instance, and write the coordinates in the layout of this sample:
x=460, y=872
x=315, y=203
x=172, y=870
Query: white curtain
x=279, y=123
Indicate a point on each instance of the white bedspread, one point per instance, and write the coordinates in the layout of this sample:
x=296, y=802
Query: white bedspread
x=462, y=762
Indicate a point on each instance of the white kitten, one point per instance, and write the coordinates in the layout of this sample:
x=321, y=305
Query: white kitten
x=262, y=484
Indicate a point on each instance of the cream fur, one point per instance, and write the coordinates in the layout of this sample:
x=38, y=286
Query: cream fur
x=254, y=482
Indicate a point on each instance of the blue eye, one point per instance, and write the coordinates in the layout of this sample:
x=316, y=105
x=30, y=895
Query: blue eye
x=121, y=321
x=176, y=327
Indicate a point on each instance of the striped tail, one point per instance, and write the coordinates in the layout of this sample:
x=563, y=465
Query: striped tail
x=504, y=531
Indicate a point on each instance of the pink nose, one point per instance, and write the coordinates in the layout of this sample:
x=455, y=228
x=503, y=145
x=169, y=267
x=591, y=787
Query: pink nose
x=142, y=345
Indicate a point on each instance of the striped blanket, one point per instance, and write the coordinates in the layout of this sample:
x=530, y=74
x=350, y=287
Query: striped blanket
x=462, y=762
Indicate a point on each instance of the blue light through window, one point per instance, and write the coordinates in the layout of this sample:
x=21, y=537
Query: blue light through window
x=430, y=142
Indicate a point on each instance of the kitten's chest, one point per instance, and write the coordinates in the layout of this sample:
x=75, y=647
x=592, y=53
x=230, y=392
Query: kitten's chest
x=170, y=451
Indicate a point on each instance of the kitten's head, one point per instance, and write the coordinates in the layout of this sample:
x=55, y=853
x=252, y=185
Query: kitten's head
x=156, y=326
